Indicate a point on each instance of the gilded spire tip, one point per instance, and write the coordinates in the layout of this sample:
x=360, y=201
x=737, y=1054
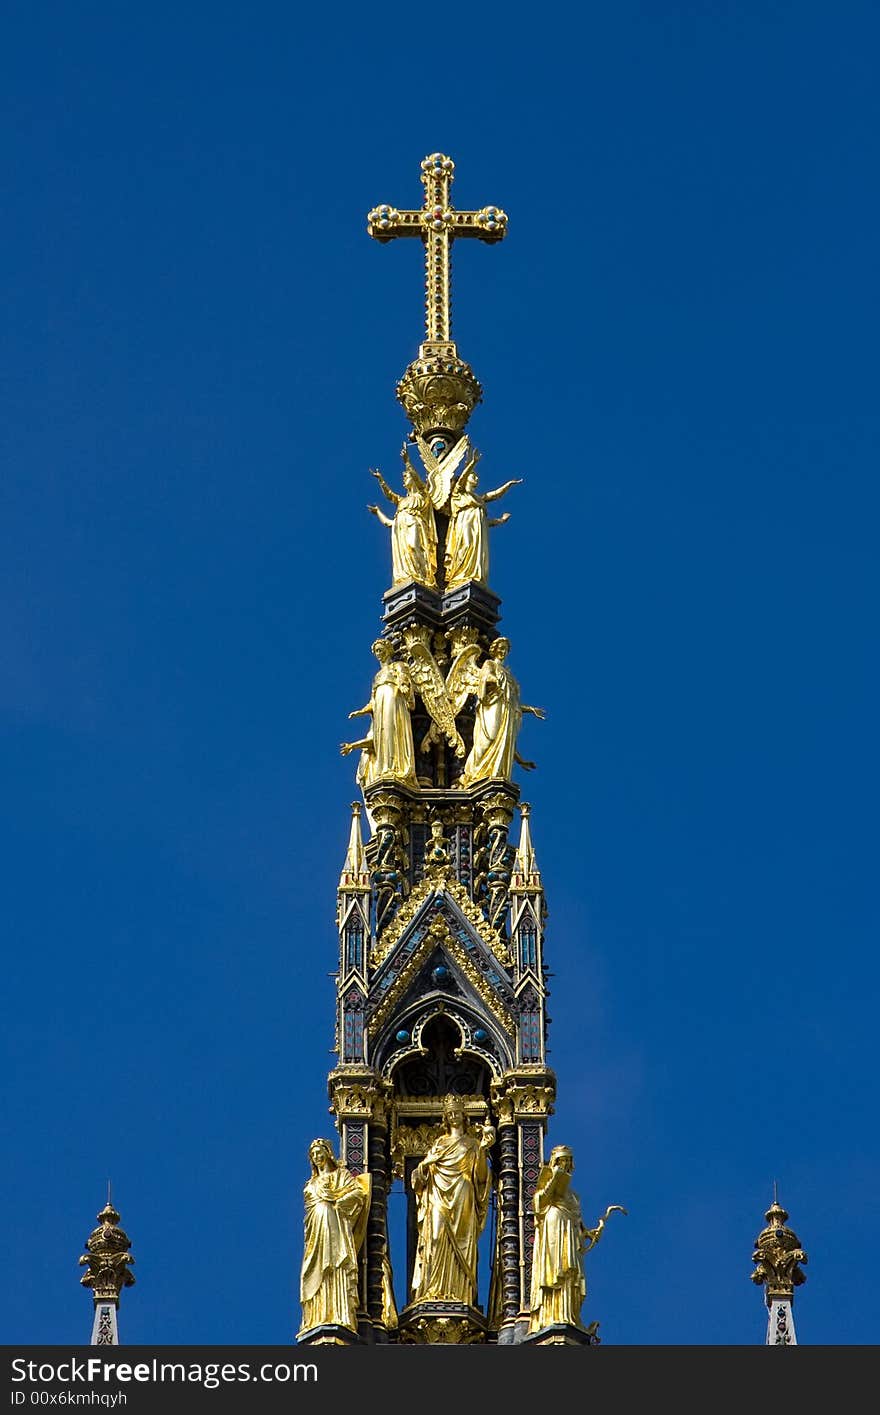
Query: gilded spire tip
x=107, y=1257
x=778, y=1255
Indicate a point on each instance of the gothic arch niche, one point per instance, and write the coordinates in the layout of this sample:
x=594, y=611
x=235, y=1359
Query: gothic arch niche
x=442, y=1066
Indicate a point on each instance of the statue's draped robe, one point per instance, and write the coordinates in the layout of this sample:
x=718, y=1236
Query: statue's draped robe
x=452, y=1210
x=391, y=752
x=558, y=1286
x=414, y=541
x=496, y=725
x=335, y=1205
x=467, y=540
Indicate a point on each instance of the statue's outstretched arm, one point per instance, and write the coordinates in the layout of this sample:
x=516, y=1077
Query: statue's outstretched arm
x=469, y=466
x=499, y=520
x=365, y=744
x=392, y=495
x=521, y=761
x=501, y=490
x=536, y=712
x=405, y=458
x=375, y=511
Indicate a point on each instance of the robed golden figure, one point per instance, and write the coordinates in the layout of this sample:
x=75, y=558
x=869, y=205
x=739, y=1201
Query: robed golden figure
x=413, y=529
x=336, y=1208
x=453, y=1184
x=466, y=556
x=498, y=720
x=561, y=1239
x=387, y=751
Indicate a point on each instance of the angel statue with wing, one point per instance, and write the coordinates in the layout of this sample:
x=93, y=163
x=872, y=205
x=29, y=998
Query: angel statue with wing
x=561, y=1239
x=387, y=749
x=466, y=556
x=441, y=462
x=432, y=689
x=499, y=712
x=413, y=530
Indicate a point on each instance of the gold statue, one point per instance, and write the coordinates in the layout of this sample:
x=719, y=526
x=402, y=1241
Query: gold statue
x=467, y=540
x=453, y=1184
x=387, y=750
x=436, y=853
x=389, y=1306
x=413, y=530
x=498, y=717
x=337, y=1205
x=561, y=1238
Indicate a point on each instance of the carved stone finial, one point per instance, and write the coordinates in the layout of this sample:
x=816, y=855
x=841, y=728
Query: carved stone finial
x=107, y=1257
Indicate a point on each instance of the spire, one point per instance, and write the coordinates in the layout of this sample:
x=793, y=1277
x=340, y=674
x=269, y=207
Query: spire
x=525, y=866
x=108, y=1262
x=778, y=1255
x=441, y=985
x=355, y=874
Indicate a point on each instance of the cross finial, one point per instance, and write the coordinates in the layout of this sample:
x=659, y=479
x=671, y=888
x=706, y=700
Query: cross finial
x=437, y=225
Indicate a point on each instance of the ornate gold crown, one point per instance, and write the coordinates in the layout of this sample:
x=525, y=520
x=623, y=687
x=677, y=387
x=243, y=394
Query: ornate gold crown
x=439, y=391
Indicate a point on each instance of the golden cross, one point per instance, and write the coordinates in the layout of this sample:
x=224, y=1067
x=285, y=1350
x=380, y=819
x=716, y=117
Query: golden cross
x=438, y=224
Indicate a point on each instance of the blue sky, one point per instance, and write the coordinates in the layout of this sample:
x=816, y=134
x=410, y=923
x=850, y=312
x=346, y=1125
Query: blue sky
x=198, y=351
